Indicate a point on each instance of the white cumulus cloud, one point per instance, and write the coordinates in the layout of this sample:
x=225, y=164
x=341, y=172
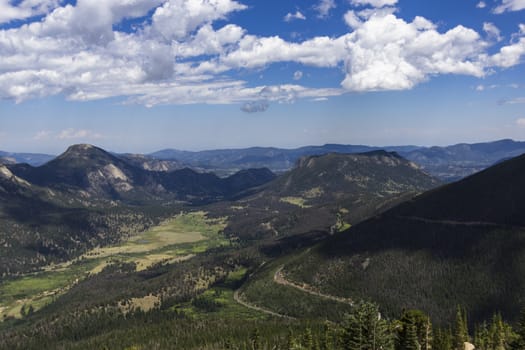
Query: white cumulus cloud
x=388, y=53
x=297, y=75
x=520, y=122
x=510, y=5
x=79, y=134
x=510, y=55
x=25, y=9
x=187, y=52
x=292, y=16
x=324, y=7
x=492, y=31
x=481, y=5
x=176, y=19
x=374, y=3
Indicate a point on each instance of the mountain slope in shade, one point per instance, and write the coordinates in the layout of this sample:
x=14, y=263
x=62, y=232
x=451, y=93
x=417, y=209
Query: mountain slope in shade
x=463, y=243
x=495, y=195
x=36, y=228
x=94, y=174
x=328, y=192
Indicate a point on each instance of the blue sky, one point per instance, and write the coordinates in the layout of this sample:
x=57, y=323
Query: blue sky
x=141, y=75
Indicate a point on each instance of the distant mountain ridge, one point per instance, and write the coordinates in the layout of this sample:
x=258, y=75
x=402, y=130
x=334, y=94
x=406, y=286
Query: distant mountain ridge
x=34, y=159
x=94, y=174
x=276, y=159
x=457, y=161
x=449, y=163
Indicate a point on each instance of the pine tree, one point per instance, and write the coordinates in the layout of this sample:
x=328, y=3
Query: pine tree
x=422, y=327
x=519, y=343
x=442, y=340
x=364, y=328
x=255, y=339
x=228, y=343
x=461, y=331
x=290, y=341
x=308, y=340
x=481, y=337
x=326, y=343
x=408, y=338
x=498, y=332
x=425, y=336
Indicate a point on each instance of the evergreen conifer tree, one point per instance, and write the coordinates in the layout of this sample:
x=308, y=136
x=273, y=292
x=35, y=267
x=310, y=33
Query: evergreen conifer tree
x=326, y=338
x=442, y=340
x=290, y=341
x=481, y=337
x=519, y=342
x=308, y=340
x=422, y=327
x=408, y=338
x=461, y=330
x=498, y=332
x=255, y=339
x=364, y=328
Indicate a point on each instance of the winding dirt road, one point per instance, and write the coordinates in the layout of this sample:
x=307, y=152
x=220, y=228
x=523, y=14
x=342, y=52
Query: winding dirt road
x=453, y=222
x=279, y=278
x=244, y=303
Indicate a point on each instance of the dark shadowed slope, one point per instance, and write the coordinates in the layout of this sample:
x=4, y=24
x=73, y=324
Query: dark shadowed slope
x=462, y=243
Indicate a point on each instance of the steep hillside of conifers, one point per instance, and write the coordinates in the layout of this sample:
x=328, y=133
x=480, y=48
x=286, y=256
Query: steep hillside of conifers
x=463, y=243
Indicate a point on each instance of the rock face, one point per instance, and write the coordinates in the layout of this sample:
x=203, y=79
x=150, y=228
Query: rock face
x=5, y=173
x=468, y=346
x=150, y=163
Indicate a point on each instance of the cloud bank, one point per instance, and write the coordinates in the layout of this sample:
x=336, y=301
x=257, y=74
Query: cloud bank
x=178, y=53
x=510, y=5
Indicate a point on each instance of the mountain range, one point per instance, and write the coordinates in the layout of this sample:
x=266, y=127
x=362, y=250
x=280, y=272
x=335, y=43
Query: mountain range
x=447, y=163
x=87, y=197
x=91, y=173
x=308, y=243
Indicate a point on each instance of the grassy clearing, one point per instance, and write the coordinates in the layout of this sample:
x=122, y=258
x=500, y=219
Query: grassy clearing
x=315, y=192
x=147, y=303
x=298, y=201
x=174, y=240
x=184, y=228
x=39, y=289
